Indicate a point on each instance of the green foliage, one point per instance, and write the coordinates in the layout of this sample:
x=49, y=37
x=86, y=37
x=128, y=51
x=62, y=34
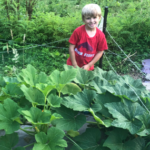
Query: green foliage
x=9, y=116
x=9, y=141
x=70, y=119
x=128, y=23
x=53, y=101
x=52, y=141
x=117, y=141
x=88, y=140
x=52, y=109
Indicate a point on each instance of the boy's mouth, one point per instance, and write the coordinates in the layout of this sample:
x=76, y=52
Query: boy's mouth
x=93, y=24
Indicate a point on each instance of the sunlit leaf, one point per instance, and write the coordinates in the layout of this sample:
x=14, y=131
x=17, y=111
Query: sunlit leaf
x=106, y=98
x=89, y=140
x=125, y=114
x=8, y=113
x=13, y=90
x=8, y=141
x=117, y=141
x=54, y=100
x=33, y=95
x=71, y=88
x=70, y=121
x=81, y=101
x=52, y=141
x=36, y=116
x=28, y=75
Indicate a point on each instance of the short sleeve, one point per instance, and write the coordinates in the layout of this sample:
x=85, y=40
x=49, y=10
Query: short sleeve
x=102, y=44
x=74, y=38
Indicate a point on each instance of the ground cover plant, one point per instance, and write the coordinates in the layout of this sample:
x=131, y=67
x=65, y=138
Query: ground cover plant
x=43, y=57
x=54, y=103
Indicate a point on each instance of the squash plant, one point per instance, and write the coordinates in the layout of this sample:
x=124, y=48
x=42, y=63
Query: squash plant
x=54, y=104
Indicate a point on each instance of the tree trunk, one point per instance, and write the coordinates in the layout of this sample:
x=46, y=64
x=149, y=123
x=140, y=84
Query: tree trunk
x=29, y=7
x=7, y=9
x=18, y=7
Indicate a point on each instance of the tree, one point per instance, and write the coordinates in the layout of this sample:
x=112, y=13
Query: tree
x=29, y=7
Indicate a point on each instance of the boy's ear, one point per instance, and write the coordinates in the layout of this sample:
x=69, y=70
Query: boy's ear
x=99, y=18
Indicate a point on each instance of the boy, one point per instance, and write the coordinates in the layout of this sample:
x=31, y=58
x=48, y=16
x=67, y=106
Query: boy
x=87, y=42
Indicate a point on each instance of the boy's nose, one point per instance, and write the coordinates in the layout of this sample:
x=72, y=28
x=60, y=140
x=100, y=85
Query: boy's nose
x=92, y=19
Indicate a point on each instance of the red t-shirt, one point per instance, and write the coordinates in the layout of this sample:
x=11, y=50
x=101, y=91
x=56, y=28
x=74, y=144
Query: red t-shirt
x=86, y=47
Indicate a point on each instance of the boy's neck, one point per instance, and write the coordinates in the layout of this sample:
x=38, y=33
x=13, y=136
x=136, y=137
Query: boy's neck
x=90, y=32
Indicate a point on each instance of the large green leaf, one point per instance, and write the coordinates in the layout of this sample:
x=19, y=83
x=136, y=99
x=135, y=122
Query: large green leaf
x=7, y=142
x=98, y=72
x=52, y=141
x=106, y=98
x=60, y=79
x=70, y=121
x=36, y=116
x=146, y=102
x=33, y=95
x=83, y=77
x=68, y=67
x=125, y=114
x=54, y=77
x=81, y=101
x=135, y=84
x=54, y=100
x=117, y=140
x=98, y=84
x=55, y=116
x=42, y=78
x=10, y=79
x=71, y=88
x=63, y=77
x=110, y=76
x=44, y=88
x=67, y=76
x=145, y=118
x=13, y=90
x=28, y=75
x=89, y=140
x=121, y=91
x=9, y=116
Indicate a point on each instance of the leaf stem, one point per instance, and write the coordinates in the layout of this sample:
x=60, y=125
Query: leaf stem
x=29, y=145
x=91, y=122
x=28, y=132
x=45, y=103
x=74, y=142
x=99, y=126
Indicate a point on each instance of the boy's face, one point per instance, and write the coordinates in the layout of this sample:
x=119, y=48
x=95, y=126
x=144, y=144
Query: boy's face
x=91, y=22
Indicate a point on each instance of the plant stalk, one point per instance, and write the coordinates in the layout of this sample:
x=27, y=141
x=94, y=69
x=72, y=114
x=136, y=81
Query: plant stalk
x=28, y=145
x=28, y=132
x=74, y=143
x=91, y=122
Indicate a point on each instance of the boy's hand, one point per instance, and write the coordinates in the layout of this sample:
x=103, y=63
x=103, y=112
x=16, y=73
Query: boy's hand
x=86, y=67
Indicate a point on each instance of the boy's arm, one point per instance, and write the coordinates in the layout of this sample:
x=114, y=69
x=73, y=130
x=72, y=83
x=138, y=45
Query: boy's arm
x=72, y=55
x=94, y=60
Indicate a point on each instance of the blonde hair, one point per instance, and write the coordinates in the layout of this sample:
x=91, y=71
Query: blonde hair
x=91, y=10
